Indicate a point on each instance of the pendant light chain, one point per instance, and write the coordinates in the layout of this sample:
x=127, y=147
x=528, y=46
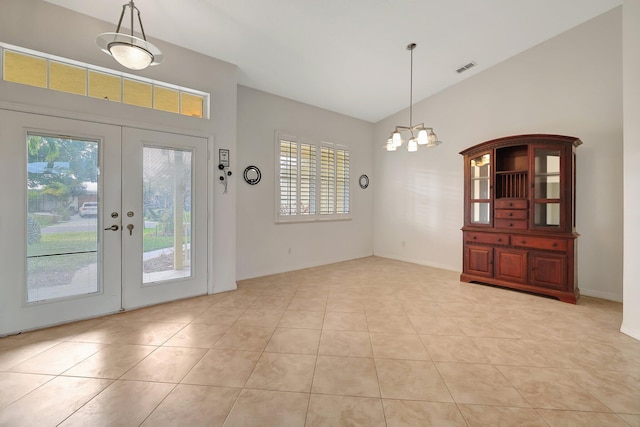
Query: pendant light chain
x=411, y=47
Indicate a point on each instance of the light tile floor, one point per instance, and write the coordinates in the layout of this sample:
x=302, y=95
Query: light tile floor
x=370, y=342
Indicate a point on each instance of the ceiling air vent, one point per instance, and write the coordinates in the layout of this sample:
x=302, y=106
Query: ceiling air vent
x=466, y=67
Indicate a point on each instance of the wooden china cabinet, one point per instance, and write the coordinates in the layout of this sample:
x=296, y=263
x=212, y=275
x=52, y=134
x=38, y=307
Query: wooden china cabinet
x=519, y=214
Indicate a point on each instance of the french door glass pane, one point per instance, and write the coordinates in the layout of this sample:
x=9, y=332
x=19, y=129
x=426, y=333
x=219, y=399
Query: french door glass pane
x=167, y=214
x=62, y=217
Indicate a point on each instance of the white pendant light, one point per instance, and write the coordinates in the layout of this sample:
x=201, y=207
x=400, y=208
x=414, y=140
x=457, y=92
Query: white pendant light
x=130, y=51
x=425, y=136
x=390, y=145
x=397, y=139
x=412, y=145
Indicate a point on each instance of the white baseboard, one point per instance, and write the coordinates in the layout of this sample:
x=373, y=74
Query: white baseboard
x=418, y=261
x=611, y=296
x=299, y=266
x=633, y=333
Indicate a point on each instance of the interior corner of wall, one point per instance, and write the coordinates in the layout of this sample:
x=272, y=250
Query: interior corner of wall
x=218, y=288
x=633, y=333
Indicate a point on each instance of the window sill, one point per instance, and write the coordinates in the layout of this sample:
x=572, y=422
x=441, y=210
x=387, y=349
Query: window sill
x=323, y=218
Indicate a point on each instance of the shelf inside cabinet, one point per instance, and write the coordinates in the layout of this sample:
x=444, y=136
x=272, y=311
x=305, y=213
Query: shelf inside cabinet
x=512, y=159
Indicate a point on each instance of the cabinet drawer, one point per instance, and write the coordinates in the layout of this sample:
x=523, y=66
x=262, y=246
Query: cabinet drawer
x=490, y=238
x=515, y=224
x=511, y=204
x=549, y=244
x=511, y=213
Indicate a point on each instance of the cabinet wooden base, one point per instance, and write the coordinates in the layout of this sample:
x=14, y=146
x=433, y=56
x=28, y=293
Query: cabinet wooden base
x=564, y=296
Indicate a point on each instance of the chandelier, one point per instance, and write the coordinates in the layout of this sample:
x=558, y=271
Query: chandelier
x=130, y=51
x=418, y=134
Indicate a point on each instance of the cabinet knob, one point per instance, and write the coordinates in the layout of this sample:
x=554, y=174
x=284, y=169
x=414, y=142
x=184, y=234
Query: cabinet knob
x=510, y=224
x=554, y=244
x=523, y=241
x=475, y=237
x=510, y=213
x=499, y=239
x=510, y=204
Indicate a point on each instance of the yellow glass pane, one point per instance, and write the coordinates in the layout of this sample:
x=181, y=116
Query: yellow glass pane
x=166, y=99
x=25, y=69
x=192, y=105
x=67, y=78
x=137, y=93
x=105, y=86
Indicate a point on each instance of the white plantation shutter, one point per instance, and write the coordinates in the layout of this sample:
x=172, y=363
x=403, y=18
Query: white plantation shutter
x=327, y=181
x=288, y=177
x=313, y=180
x=334, y=180
x=307, y=179
x=342, y=181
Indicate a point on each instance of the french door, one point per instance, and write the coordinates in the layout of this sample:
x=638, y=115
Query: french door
x=164, y=222
x=96, y=218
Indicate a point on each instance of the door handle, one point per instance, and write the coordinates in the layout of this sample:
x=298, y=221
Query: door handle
x=113, y=228
x=130, y=228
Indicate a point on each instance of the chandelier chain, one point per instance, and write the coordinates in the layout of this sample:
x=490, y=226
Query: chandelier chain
x=411, y=47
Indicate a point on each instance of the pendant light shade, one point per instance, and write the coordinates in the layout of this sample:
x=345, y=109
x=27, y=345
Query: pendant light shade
x=390, y=145
x=418, y=134
x=132, y=52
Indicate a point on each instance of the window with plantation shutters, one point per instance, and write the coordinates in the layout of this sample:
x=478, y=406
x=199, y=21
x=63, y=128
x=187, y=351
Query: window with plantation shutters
x=313, y=180
x=342, y=181
x=288, y=178
x=327, y=180
x=307, y=179
x=334, y=180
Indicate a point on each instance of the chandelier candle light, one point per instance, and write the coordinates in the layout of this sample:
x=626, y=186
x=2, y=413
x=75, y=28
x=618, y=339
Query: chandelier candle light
x=419, y=134
x=130, y=51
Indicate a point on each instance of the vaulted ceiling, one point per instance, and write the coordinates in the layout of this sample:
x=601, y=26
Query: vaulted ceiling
x=350, y=56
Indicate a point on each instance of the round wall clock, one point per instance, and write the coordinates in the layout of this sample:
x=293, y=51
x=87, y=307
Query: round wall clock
x=252, y=175
x=363, y=181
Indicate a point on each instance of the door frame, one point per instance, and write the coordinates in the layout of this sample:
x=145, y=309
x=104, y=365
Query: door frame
x=7, y=328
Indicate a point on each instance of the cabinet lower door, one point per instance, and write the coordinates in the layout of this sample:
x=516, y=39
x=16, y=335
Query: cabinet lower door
x=479, y=260
x=549, y=270
x=511, y=265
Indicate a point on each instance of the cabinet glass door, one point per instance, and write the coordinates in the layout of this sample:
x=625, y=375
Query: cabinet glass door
x=546, y=188
x=480, y=187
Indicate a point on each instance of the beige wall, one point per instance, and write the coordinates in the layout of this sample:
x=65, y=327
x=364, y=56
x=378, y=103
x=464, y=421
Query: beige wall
x=631, y=64
x=568, y=85
x=265, y=247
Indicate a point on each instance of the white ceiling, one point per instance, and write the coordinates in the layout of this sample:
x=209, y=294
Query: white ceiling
x=350, y=56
